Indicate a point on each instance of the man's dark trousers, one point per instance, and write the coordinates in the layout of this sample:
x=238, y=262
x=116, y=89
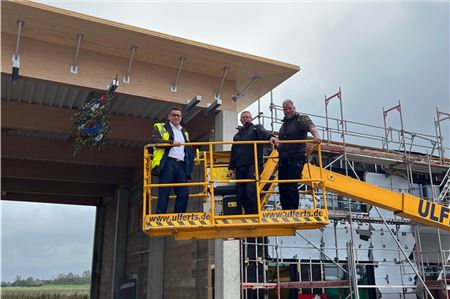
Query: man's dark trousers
x=246, y=192
x=173, y=172
x=289, y=169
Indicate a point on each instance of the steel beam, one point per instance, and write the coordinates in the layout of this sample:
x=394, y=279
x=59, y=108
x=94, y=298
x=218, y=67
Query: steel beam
x=62, y=151
x=25, y=186
x=53, y=171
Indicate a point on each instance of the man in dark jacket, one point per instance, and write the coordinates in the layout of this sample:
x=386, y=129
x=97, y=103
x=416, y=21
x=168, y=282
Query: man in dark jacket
x=242, y=160
x=292, y=156
x=172, y=164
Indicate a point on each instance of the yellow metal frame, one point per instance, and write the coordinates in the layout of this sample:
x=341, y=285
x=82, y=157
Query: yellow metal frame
x=404, y=205
x=208, y=225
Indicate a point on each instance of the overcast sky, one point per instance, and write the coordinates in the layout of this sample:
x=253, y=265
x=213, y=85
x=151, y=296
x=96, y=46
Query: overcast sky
x=379, y=53
x=44, y=240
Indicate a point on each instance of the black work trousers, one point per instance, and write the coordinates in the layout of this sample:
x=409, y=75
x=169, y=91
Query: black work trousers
x=289, y=169
x=173, y=172
x=246, y=192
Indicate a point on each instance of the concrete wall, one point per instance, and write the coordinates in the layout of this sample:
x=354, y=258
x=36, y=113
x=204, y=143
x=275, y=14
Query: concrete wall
x=164, y=267
x=138, y=244
x=185, y=273
x=108, y=250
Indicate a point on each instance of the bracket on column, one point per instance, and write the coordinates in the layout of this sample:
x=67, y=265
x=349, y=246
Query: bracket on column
x=126, y=77
x=246, y=88
x=173, y=86
x=192, y=103
x=213, y=106
x=16, y=55
x=188, y=111
x=74, y=66
x=225, y=72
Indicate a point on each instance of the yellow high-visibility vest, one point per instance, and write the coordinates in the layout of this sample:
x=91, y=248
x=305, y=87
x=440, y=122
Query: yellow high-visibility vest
x=158, y=152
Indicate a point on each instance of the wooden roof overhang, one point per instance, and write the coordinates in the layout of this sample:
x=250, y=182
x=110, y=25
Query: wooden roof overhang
x=60, y=27
x=37, y=110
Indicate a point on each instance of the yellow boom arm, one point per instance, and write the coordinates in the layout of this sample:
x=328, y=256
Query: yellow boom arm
x=404, y=205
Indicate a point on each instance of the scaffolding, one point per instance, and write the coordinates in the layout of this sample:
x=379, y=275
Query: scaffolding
x=343, y=265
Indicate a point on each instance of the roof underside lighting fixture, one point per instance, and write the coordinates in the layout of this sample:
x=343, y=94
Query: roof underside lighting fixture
x=126, y=77
x=173, y=86
x=16, y=55
x=225, y=72
x=246, y=88
x=74, y=66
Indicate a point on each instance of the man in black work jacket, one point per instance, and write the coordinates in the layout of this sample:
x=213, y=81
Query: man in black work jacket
x=292, y=156
x=242, y=160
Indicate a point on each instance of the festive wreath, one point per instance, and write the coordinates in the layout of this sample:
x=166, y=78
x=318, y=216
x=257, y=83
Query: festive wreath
x=93, y=122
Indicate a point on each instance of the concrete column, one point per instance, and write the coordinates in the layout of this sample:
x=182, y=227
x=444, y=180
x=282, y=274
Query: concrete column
x=227, y=282
x=225, y=128
x=97, y=250
x=155, y=268
x=120, y=240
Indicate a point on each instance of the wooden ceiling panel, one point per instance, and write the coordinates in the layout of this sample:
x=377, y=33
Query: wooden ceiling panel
x=24, y=116
x=60, y=120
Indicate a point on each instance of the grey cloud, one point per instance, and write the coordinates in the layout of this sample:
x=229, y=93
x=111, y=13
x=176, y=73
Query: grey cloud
x=43, y=240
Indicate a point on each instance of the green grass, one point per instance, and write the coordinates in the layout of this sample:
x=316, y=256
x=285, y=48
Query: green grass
x=50, y=287
x=47, y=292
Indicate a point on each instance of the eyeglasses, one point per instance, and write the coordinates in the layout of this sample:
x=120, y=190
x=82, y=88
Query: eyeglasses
x=176, y=115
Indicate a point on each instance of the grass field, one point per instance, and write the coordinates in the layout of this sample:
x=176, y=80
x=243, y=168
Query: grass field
x=47, y=292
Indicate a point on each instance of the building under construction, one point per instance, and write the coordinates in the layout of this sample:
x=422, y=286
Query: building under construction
x=373, y=220
x=365, y=251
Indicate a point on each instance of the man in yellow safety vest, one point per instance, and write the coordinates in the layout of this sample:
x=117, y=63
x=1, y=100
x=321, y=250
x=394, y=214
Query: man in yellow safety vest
x=172, y=164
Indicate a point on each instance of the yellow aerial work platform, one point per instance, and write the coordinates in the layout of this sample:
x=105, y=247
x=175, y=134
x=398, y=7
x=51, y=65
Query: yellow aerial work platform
x=211, y=223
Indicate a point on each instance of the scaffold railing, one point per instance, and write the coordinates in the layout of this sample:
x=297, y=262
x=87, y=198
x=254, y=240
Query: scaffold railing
x=357, y=133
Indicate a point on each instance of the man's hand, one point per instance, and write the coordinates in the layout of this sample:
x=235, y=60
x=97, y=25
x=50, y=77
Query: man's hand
x=274, y=142
x=176, y=143
x=316, y=135
x=231, y=173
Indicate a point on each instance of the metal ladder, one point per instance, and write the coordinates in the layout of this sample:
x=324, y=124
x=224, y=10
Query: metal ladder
x=443, y=196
